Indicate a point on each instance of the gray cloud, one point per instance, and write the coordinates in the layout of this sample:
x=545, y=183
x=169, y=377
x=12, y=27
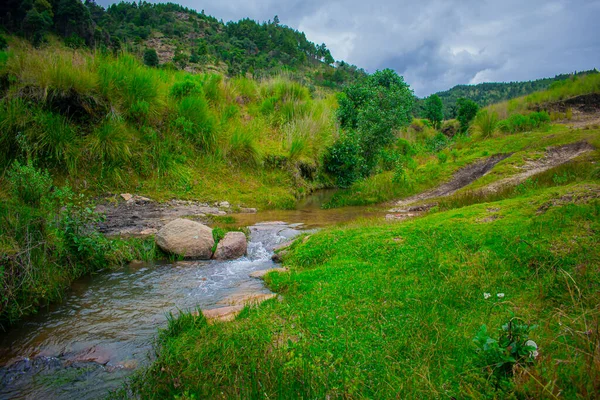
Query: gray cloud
x=437, y=44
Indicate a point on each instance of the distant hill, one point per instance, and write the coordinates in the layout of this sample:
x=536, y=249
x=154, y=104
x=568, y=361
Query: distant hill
x=183, y=38
x=485, y=94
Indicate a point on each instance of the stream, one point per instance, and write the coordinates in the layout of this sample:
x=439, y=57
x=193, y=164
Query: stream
x=105, y=328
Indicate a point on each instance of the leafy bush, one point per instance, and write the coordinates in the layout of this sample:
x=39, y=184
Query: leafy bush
x=28, y=184
x=437, y=142
x=372, y=109
x=3, y=43
x=467, y=110
x=150, y=58
x=185, y=88
x=523, y=123
x=343, y=160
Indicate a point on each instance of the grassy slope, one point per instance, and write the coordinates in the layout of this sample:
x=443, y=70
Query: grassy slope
x=430, y=172
x=379, y=310
x=135, y=135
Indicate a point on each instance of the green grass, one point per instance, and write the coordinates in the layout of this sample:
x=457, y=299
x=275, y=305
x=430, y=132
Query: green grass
x=389, y=310
x=558, y=91
x=430, y=173
x=109, y=123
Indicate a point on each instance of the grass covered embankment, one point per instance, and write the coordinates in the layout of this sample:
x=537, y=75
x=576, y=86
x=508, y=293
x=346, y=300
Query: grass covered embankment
x=109, y=123
x=379, y=310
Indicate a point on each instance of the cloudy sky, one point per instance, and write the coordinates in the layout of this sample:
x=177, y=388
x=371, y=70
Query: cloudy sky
x=436, y=44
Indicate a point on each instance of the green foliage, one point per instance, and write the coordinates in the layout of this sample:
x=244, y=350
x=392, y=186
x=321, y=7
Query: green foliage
x=374, y=109
x=488, y=93
x=28, y=184
x=218, y=234
x=3, y=43
x=343, y=160
x=484, y=124
x=197, y=122
x=243, y=149
x=434, y=110
x=467, y=110
x=437, y=142
x=523, y=123
x=513, y=347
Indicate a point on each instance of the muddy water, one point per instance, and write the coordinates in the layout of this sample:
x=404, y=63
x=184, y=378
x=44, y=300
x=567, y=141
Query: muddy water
x=104, y=329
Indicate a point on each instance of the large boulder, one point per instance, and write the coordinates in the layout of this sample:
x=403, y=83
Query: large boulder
x=186, y=238
x=232, y=246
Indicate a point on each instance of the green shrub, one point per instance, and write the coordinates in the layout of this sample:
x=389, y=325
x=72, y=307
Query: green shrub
x=437, y=142
x=3, y=43
x=343, y=161
x=150, y=58
x=29, y=184
x=523, y=123
x=186, y=87
x=485, y=123
x=467, y=110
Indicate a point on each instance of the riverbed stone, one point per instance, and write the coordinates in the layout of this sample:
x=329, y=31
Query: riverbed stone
x=260, y=274
x=232, y=246
x=186, y=238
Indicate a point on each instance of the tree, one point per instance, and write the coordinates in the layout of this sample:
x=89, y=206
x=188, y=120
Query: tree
x=434, y=110
x=151, y=58
x=467, y=110
x=373, y=109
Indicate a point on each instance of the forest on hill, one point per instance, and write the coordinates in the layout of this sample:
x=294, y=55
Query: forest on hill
x=487, y=93
x=179, y=38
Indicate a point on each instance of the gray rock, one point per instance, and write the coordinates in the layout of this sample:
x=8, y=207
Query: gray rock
x=232, y=246
x=186, y=238
x=224, y=204
x=247, y=210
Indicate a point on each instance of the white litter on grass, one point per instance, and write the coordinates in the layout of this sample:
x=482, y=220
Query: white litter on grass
x=534, y=353
x=487, y=295
x=500, y=295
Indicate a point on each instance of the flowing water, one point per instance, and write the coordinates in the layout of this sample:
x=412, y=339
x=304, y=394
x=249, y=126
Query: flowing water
x=105, y=327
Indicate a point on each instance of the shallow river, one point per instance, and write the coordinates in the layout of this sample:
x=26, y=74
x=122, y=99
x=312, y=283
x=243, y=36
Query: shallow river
x=105, y=327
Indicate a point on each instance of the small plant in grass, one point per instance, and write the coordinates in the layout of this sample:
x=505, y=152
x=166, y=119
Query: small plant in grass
x=442, y=158
x=218, y=234
x=513, y=347
x=29, y=184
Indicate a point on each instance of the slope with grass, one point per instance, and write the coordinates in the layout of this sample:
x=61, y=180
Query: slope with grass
x=392, y=310
x=109, y=123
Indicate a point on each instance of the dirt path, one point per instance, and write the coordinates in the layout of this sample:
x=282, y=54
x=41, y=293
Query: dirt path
x=555, y=156
x=461, y=178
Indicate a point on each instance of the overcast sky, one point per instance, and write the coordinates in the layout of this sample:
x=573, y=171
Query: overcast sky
x=436, y=44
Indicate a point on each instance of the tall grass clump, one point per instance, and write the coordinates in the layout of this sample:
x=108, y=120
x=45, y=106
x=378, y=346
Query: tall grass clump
x=242, y=148
x=196, y=122
x=523, y=123
x=55, y=140
x=125, y=81
x=110, y=145
x=484, y=124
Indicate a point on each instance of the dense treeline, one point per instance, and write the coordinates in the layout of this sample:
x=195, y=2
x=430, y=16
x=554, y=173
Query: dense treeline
x=183, y=37
x=485, y=94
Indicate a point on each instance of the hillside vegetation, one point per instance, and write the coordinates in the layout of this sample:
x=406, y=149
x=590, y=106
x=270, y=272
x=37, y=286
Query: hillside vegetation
x=179, y=38
x=487, y=93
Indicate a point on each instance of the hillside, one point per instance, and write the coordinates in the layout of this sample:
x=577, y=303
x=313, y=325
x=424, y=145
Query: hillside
x=182, y=38
x=485, y=94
